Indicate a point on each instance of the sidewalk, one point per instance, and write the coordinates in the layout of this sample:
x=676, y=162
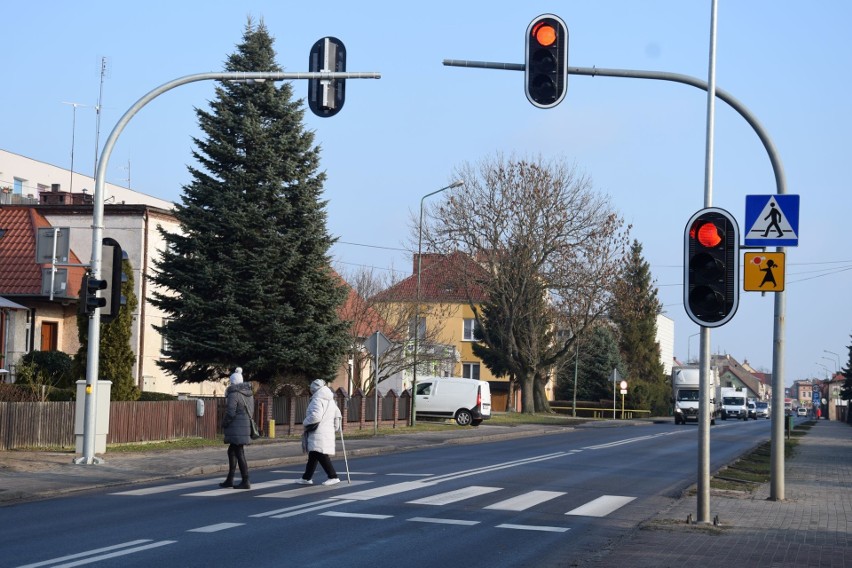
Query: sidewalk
x=811, y=527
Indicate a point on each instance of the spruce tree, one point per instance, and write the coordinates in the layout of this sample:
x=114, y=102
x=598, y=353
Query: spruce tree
x=248, y=281
x=846, y=389
x=635, y=309
x=598, y=356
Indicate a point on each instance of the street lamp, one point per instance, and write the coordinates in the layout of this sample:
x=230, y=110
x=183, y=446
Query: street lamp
x=457, y=183
x=833, y=362
x=836, y=356
x=689, y=344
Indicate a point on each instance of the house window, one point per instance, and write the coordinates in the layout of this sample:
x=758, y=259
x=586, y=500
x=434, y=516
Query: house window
x=421, y=332
x=470, y=371
x=471, y=330
x=18, y=187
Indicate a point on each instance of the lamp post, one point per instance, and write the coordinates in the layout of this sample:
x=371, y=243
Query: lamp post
x=836, y=357
x=689, y=344
x=457, y=183
x=93, y=352
x=833, y=362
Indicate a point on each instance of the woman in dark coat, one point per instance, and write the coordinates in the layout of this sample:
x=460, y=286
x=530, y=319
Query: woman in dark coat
x=237, y=428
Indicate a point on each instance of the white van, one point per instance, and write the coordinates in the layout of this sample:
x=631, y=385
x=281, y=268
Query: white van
x=467, y=401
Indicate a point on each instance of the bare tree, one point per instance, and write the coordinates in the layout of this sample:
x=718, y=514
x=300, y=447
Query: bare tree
x=551, y=247
x=378, y=304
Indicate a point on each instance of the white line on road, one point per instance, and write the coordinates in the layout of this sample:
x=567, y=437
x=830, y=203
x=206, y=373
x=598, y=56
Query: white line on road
x=540, y=528
x=100, y=557
x=232, y=491
x=302, y=490
x=166, y=488
x=602, y=506
x=454, y=496
x=87, y=553
x=302, y=510
x=216, y=528
x=442, y=521
x=525, y=501
x=355, y=515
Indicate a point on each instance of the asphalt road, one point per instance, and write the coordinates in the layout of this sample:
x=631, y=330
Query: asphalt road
x=545, y=501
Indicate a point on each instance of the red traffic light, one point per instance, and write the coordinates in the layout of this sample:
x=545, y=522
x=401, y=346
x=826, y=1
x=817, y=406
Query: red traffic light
x=544, y=34
x=708, y=234
x=546, y=61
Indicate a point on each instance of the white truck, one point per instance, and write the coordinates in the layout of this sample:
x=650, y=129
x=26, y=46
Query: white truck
x=734, y=403
x=685, y=394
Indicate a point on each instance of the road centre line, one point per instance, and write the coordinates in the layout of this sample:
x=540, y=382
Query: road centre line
x=294, y=508
x=355, y=515
x=303, y=510
x=92, y=559
x=630, y=440
x=87, y=553
x=216, y=528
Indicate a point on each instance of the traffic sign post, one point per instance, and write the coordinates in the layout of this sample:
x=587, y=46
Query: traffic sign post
x=764, y=271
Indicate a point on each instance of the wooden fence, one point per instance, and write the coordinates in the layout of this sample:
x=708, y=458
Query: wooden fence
x=51, y=424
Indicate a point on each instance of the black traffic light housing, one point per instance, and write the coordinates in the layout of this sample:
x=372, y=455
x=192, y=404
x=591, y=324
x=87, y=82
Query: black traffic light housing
x=711, y=267
x=546, y=61
x=326, y=97
x=113, y=275
x=89, y=299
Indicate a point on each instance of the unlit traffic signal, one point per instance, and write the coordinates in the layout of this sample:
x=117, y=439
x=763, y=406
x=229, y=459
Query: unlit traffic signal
x=546, y=61
x=326, y=96
x=711, y=267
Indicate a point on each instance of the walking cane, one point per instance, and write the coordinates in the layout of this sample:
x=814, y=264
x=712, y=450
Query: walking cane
x=345, y=460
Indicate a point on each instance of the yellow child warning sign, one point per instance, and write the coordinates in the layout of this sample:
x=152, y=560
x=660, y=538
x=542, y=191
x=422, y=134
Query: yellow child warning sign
x=763, y=272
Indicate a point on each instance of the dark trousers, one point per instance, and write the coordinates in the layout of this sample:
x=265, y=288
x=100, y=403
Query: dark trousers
x=237, y=457
x=315, y=458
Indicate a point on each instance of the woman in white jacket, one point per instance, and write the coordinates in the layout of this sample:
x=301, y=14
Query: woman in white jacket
x=319, y=442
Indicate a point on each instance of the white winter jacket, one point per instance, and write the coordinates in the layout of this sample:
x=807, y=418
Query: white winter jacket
x=324, y=411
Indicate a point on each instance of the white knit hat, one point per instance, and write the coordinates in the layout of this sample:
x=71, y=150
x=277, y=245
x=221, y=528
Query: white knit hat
x=237, y=376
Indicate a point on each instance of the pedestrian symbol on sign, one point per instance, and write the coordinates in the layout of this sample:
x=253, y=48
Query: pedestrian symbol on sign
x=763, y=272
x=772, y=220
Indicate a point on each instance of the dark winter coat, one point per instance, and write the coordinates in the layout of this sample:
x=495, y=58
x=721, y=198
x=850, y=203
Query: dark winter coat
x=236, y=421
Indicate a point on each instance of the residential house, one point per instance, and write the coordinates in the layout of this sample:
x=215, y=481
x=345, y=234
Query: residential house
x=445, y=312
x=733, y=374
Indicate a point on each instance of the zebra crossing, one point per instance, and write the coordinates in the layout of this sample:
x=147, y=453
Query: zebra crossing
x=332, y=501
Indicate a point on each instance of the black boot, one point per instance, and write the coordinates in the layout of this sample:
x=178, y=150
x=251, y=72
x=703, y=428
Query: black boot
x=232, y=466
x=241, y=461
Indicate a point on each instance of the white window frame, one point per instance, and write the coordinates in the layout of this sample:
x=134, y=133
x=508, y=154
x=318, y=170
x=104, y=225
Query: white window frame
x=471, y=371
x=470, y=330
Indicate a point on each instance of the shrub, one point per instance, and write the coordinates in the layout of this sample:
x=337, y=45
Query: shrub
x=149, y=396
x=52, y=368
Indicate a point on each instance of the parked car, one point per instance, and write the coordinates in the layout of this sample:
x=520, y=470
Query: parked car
x=802, y=411
x=467, y=401
x=762, y=410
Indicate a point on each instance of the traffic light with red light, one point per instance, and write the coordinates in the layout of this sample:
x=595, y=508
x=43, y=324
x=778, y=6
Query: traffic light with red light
x=326, y=96
x=546, y=61
x=711, y=267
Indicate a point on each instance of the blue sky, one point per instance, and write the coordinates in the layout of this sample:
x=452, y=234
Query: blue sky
x=398, y=138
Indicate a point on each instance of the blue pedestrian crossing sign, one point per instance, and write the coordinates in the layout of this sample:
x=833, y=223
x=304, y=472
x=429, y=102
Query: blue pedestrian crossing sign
x=772, y=220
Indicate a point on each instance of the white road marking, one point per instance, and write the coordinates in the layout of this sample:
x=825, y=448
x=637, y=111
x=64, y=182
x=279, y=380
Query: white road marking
x=302, y=510
x=166, y=488
x=602, y=506
x=632, y=440
x=232, y=491
x=442, y=521
x=87, y=553
x=540, y=528
x=216, y=528
x=454, y=496
x=525, y=501
x=385, y=491
x=100, y=557
x=355, y=515
x=302, y=490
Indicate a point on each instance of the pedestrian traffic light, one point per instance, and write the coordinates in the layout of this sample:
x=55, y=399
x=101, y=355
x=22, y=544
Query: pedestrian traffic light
x=711, y=267
x=326, y=96
x=546, y=61
x=89, y=299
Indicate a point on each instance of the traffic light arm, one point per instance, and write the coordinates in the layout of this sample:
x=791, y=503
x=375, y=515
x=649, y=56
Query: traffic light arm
x=774, y=158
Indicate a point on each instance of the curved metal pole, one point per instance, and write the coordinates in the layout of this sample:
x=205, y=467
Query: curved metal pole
x=93, y=353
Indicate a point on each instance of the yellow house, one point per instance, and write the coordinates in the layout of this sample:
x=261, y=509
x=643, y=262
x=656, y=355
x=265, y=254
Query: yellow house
x=446, y=319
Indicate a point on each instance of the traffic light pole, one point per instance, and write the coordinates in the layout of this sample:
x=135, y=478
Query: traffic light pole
x=93, y=353
x=776, y=489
